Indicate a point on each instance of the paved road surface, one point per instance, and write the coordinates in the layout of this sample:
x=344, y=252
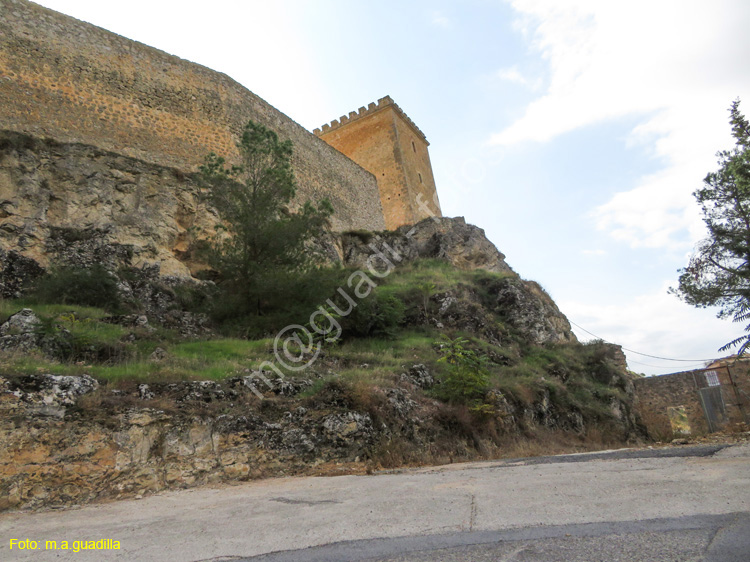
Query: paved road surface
x=689, y=503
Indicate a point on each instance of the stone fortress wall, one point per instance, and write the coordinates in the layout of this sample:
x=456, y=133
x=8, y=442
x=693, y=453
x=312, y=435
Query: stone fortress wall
x=382, y=139
x=72, y=82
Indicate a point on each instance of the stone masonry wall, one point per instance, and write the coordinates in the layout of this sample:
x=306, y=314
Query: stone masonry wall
x=417, y=168
x=371, y=142
x=656, y=395
x=383, y=140
x=64, y=79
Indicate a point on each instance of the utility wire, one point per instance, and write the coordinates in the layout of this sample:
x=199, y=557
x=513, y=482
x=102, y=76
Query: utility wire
x=695, y=365
x=638, y=352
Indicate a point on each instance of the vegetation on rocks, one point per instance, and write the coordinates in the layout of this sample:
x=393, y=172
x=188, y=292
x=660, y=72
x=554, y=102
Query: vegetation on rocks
x=260, y=253
x=117, y=379
x=446, y=374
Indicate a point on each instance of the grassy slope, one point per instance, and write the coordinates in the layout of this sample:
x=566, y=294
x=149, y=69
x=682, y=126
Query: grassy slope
x=520, y=371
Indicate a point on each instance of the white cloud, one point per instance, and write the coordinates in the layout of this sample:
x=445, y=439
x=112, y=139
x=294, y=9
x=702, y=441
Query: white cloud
x=655, y=324
x=512, y=75
x=677, y=64
x=440, y=20
x=656, y=213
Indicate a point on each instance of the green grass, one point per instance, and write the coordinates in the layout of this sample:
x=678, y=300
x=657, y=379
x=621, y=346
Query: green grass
x=209, y=360
x=223, y=349
x=413, y=275
x=27, y=364
x=413, y=346
x=95, y=332
x=10, y=307
x=195, y=360
x=521, y=371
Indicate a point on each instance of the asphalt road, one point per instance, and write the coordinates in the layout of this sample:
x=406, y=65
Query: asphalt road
x=687, y=503
x=709, y=538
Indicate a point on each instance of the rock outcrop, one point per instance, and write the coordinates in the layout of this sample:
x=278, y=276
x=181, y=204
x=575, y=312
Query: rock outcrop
x=526, y=306
x=464, y=246
x=71, y=439
x=66, y=440
x=76, y=205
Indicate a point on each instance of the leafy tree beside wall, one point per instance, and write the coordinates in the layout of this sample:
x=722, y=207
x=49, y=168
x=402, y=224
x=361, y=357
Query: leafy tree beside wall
x=261, y=252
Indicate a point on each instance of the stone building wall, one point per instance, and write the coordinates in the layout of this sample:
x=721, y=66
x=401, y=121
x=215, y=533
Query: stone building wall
x=70, y=81
x=382, y=139
x=661, y=398
x=657, y=394
x=412, y=146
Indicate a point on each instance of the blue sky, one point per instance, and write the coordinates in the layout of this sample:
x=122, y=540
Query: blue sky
x=573, y=132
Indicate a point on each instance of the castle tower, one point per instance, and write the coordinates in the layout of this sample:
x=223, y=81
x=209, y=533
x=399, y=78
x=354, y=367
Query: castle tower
x=384, y=141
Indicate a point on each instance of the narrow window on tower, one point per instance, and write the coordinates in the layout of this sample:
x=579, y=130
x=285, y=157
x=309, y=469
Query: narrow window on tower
x=420, y=177
x=414, y=147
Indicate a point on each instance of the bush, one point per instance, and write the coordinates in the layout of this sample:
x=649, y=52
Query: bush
x=86, y=287
x=68, y=338
x=467, y=379
x=375, y=316
x=289, y=299
x=193, y=297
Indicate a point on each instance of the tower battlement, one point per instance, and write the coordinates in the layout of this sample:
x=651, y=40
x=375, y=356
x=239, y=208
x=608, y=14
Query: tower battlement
x=73, y=82
x=363, y=111
x=384, y=141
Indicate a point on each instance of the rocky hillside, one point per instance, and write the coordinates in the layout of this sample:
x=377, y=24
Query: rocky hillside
x=94, y=406
x=452, y=356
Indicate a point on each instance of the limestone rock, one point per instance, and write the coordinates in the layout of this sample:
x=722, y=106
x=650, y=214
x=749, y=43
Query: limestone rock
x=53, y=390
x=17, y=272
x=342, y=429
x=159, y=354
x=530, y=310
x=144, y=392
x=22, y=322
x=400, y=402
x=463, y=245
x=419, y=375
x=18, y=333
x=270, y=382
x=462, y=309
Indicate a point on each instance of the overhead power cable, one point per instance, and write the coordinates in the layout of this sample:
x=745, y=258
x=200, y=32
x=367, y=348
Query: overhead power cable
x=672, y=367
x=638, y=352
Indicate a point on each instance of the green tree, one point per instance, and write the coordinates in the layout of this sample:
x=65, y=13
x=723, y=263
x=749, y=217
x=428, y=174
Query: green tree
x=261, y=249
x=467, y=378
x=718, y=273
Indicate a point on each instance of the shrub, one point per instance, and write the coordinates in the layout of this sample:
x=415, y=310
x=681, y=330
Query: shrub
x=193, y=297
x=375, y=316
x=364, y=236
x=68, y=338
x=290, y=299
x=467, y=379
x=86, y=287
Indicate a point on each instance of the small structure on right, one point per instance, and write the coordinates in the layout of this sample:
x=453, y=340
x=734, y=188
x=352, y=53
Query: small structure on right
x=384, y=141
x=695, y=402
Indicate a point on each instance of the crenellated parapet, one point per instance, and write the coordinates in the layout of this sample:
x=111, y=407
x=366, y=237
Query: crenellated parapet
x=385, y=142
x=384, y=102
